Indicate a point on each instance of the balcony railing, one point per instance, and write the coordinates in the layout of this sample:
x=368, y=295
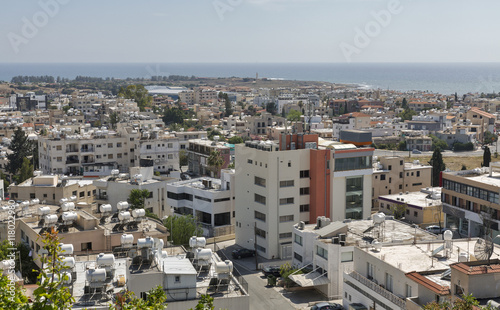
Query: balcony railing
x=72, y=161
x=87, y=150
x=401, y=303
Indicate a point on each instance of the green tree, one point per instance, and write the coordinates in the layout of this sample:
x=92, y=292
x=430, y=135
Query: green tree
x=25, y=172
x=183, y=159
x=489, y=137
x=438, y=165
x=206, y=303
x=137, y=198
x=127, y=300
x=235, y=140
x=293, y=116
x=173, y=116
x=398, y=210
x=467, y=302
x=404, y=104
x=271, y=107
x=228, y=105
x=51, y=293
x=486, y=157
x=438, y=143
x=114, y=118
x=137, y=92
x=181, y=228
x=402, y=145
x=215, y=161
x=407, y=114
x=21, y=148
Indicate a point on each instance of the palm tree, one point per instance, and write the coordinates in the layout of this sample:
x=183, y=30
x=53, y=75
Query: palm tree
x=215, y=161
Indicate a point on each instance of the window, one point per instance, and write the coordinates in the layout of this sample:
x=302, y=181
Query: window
x=298, y=239
x=390, y=167
x=353, y=163
x=321, y=252
x=388, y=282
x=415, y=213
x=304, y=191
x=73, y=193
x=400, y=186
x=458, y=290
x=382, y=177
x=59, y=159
x=418, y=173
x=260, y=199
x=148, y=147
x=32, y=195
x=346, y=257
x=304, y=174
x=170, y=156
x=110, y=156
x=286, y=201
x=286, y=218
x=260, y=181
x=169, y=145
x=118, y=144
x=400, y=162
x=304, y=208
x=260, y=216
x=119, y=155
x=82, y=194
x=417, y=184
x=286, y=235
x=370, y=270
x=408, y=290
x=86, y=246
x=203, y=198
x=401, y=175
x=287, y=183
x=297, y=257
x=249, y=161
x=261, y=233
x=110, y=145
x=289, y=163
x=261, y=248
x=177, y=279
x=222, y=199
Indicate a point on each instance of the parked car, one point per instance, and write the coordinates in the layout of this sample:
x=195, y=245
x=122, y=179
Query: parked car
x=435, y=229
x=239, y=253
x=415, y=151
x=327, y=306
x=271, y=270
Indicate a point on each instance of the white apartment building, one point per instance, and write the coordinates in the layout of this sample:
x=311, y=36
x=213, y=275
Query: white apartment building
x=95, y=152
x=209, y=200
x=277, y=186
x=326, y=248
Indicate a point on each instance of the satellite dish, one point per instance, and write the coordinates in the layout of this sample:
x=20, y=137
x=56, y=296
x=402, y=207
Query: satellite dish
x=483, y=249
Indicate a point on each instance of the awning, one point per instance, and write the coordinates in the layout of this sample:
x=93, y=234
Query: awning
x=313, y=278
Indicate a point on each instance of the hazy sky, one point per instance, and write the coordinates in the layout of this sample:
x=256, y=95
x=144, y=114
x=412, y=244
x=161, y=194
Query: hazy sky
x=250, y=31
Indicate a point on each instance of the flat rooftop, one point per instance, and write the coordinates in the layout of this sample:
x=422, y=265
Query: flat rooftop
x=418, y=257
x=419, y=199
x=362, y=232
x=198, y=184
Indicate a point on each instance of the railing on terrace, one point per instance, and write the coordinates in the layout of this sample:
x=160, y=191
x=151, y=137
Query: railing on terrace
x=379, y=290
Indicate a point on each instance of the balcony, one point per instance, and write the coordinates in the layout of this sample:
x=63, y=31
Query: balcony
x=87, y=150
x=72, y=161
x=377, y=289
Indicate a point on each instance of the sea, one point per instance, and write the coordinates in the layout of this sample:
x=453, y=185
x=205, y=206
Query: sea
x=443, y=78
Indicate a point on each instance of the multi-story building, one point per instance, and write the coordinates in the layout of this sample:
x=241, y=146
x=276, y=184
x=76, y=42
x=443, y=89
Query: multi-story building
x=159, y=146
x=471, y=201
x=326, y=248
x=383, y=278
x=210, y=200
x=185, y=136
x=51, y=188
x=116, y=188
x=422, y=143
x=298, y=180
x=199, y=151
x=257, y=125
x=423, y=208
x=391, y=175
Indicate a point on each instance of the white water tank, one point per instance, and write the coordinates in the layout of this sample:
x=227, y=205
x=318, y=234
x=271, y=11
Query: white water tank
x=115, y=172
x=66, y=249
x=25, y=204
x=70, y=216
x=105, y=260
x=448, y=235
x=203, y=254
x=68, y=206
x=138, y=213
x=197, y=242
x=377, y=246
x=224, y=267
x=147, y=242
x=127, y=240
x=122, y=205
x=138, y=178
x=105, y=208
x=35, y=201
x=96, y=275
x=43, y=211
x=72, y=198
x=63, y=200
x=378, y=218
x=50, y=218
x=463, y=257
x=160, y=244
x=68, y=262
x=164, y=254
x=124, y=216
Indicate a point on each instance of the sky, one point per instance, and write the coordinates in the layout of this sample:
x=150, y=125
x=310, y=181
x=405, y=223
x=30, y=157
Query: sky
x=249, y=31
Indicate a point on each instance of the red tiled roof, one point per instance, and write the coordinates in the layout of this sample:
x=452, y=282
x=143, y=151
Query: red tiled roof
x=481, y=112
x=481, y=269
x=431, y=285
x=356, y=114
x=27, y=124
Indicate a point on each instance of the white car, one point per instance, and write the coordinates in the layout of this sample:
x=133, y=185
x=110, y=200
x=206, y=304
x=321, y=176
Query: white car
x=435, y=229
